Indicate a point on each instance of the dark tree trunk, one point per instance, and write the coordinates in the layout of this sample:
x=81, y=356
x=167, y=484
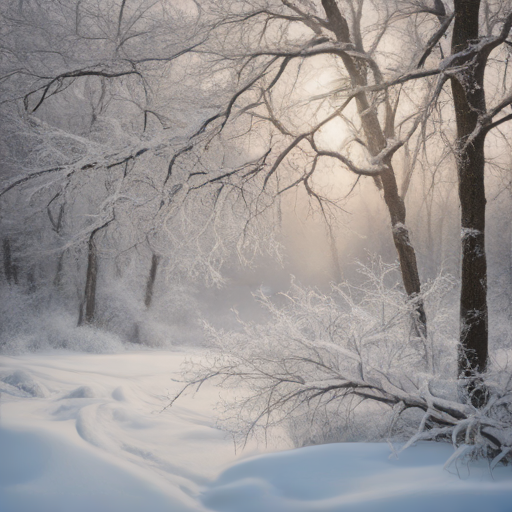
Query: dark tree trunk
x=151, y=281
x=57, y=227
x=88, y=306
x=469, y=100
x=376, y=143
x=10, y=268
x=148, y=298
x=57, y=281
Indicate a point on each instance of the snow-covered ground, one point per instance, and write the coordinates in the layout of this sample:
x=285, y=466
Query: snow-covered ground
x=86, y=432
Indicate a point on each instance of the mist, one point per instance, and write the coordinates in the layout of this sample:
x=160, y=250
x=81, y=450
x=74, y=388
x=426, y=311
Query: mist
x=302, y=208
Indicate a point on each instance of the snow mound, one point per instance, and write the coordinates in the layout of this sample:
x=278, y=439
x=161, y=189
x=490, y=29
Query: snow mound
x=23, y=382
x=119, y=394
x=100, y=441
x=357, y=477
x=81, y=392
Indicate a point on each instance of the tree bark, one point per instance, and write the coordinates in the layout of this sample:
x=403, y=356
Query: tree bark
x=376, y=141
x=469, y=101
x=10, y=268
x=88, y=305
x=31, y=280
x=151, y=280
x=57, y=280
x=57, y=226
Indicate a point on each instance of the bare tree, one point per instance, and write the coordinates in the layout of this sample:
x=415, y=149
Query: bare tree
x=88, y=306
x=472, y=50
x=479, y=29
x=122, y=58
x=258, y=129
x=150, y=285
x=287, y=37
x=304, y=362
x=332, y=354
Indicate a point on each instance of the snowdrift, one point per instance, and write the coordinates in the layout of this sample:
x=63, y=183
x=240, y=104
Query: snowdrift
x=86, y=432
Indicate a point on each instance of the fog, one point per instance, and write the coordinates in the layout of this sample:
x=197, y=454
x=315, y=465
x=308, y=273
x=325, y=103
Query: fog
x=311, y=199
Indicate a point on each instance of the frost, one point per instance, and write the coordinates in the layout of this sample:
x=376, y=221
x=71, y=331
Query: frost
x=472, y=49
x=469, y=232
x=317, y=350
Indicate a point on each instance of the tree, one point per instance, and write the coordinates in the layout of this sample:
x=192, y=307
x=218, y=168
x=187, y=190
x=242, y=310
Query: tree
x=269, y=66
x=303, y=363
x=474, y=53
x=261, y=126
x=338, y=31
x=10, y=268
x=74, y=107
x=332, y=354
x=471, y=51
x=92, y=143
x=150, y=285
x=88, y=307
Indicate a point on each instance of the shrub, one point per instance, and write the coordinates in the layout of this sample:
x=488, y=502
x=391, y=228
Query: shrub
x=321, y=360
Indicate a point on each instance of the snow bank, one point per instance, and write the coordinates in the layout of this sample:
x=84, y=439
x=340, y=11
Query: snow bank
x=359, y=477
x=86, y=433
x=39, y=472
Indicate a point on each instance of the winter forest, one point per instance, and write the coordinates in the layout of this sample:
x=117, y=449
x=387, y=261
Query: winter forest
x=256, y=255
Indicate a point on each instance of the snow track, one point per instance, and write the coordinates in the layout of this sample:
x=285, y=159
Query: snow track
x=87, y=432
x=84, y=415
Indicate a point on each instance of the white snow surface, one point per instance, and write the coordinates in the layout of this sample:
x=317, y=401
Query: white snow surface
x=86, y=432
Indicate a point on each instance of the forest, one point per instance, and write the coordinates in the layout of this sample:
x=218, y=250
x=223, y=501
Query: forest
x=301, y=205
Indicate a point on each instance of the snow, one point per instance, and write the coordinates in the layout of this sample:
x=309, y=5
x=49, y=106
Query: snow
x=40, y=472
x=87, y=432
x=469, y=232
x=398, y=227
x=358, y=477
x=95, y=426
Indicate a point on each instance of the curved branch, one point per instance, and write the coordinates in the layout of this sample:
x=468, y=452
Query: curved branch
x=435, y=39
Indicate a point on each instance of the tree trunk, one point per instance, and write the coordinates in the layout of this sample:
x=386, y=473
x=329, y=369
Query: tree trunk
x=57, y=226
x=335, y=256
x=148, y=299
x=376, y=143
x=469, y=100
x=57, y=281
x=10, y=268
x=88, y=305
x=151, y=281
x=395, y=205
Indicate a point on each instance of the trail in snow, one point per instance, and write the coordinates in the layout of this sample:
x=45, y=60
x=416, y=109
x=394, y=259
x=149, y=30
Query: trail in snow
x=87, y=415
x=86, y=432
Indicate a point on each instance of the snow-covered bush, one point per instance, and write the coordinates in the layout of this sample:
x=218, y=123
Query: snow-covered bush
x=32, y=322
x=348, y=365
x=121, y=311
x=40, y=320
